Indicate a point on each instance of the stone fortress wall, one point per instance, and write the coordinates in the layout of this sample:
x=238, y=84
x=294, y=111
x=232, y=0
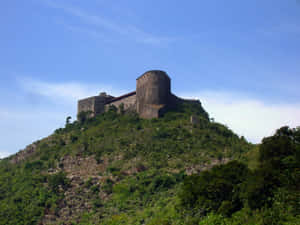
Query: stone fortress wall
x=94, y=104
x=128, y=101
x=151, y=99
x=153, y=93
x=87, y=104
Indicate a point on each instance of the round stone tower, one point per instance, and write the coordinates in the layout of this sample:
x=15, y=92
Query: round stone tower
x=153, y=91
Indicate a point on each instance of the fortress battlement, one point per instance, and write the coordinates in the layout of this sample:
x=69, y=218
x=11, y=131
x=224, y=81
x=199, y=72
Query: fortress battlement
x=151, y=99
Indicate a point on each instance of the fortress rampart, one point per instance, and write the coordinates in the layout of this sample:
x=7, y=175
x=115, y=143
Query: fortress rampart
x=151, y=99
x=153, y=93
x=94, y=104
x=128, y=101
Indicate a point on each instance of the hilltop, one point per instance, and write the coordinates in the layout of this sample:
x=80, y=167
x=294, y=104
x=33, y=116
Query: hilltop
x=118, y=168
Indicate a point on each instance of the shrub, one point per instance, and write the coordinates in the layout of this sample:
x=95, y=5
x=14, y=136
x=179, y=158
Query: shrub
x=215, y=190
x=84, y=116
x=108, y=186
x=35, y=165
x=58, y=180
x=97, y=202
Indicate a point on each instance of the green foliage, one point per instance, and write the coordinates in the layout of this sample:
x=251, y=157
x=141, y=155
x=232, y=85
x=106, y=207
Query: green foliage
x=279, y=168
x=271, y=191
x=108, y=186
x=58, y=180
x=88, y=183
x=216, y=190
x=95, y=189
x=213, y=219
x=23, y=195
x=68, y=119
x=84, y=116
x=35, y=165
x=142, y=166
x=121, y=108
x=97, y=203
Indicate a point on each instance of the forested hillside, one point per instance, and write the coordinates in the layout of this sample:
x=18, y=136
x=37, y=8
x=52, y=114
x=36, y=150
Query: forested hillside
x=119, y=169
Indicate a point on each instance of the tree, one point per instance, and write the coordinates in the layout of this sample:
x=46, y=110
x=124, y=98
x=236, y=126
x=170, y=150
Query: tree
x=279, y=168
x=68, y=120
x=83, y=116
x=216, y=190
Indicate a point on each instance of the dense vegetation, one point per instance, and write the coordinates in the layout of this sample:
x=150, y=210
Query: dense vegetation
x=233, y=194
x=159, y=171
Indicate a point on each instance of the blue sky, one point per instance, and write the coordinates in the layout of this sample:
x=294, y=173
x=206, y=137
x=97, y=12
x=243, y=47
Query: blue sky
x=240, y=58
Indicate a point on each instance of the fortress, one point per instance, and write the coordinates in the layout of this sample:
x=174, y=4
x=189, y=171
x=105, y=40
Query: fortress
x=151, y=99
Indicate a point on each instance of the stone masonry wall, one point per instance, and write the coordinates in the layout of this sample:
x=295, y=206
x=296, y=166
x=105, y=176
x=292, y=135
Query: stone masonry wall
x=94, y=104
x=87, y=104
x=128, y=102
x=153, y=93
x=151, y=99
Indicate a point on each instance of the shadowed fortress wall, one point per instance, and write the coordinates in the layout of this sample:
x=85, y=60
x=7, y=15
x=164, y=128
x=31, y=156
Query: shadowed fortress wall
x=86, y=105
x=94, y=104
x=128, y=101
x=153, y=92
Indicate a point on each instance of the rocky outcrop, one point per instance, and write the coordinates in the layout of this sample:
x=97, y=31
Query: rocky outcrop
x=24, y=154
x=196, y=169
x=86, y=181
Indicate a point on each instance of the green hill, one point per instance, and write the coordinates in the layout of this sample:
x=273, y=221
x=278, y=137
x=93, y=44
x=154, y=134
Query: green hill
x=120, y=169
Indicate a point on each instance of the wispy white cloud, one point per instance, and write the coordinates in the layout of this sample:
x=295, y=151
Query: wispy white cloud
x=21, y=126
x=22, y=123
x=68, y=92
x=126, y=30
x=4, y=154
x=250, y=117
x=247, y=116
